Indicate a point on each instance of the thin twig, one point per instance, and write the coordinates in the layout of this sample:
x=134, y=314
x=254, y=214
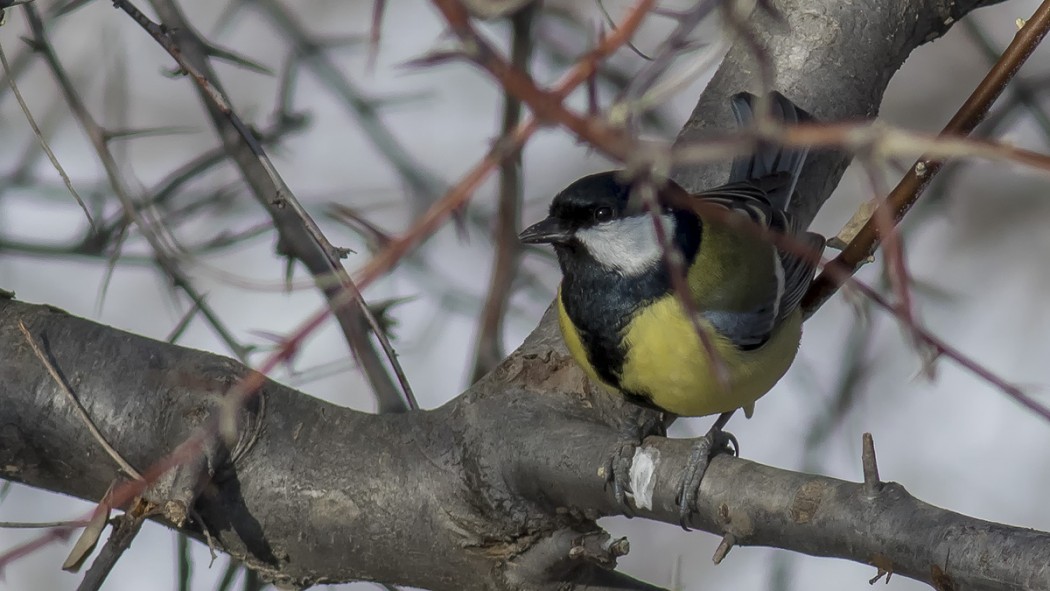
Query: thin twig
x=458, y=195
x=298, y=231
x=637, y=97
x=613, y=142
x=1021, y=90
x=43, y=142
x=489, y=348
x=125, y=529
x=375, y=34
x=943, y=348
x=425, y=186
x=77, y=407
x=911, y=187
x=170, y=186
x=97, y=136
x=561, y=49
x=41, y=524
x=893, y=245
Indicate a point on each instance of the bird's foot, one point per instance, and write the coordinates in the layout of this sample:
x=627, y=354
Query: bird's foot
x=617, y=467
x=715, y=442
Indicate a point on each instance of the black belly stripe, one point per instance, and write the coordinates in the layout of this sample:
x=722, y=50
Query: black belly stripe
x=599, y=308
x=601, y=303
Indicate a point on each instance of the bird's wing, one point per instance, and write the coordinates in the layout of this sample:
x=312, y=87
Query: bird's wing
x=792, y=273
x=799, y=270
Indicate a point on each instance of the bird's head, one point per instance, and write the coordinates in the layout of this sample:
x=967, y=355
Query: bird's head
x=595, y=217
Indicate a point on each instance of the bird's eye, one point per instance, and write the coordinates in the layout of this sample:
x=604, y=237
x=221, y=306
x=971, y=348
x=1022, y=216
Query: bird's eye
x=603, y=214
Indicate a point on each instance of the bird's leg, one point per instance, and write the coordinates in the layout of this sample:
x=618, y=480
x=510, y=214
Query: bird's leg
x=716, y=441
x=642, y=423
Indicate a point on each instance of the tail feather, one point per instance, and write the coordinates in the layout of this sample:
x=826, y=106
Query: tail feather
x=769, y=159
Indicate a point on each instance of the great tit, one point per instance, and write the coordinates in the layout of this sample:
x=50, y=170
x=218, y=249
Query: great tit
x=619, y=313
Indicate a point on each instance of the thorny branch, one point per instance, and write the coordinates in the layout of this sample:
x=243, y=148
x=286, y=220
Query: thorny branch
x=97, y=136
x=911, y=187
x=489, y=347
x=876, y=522
x=247, y=386
x=865, y=139
x=459, y=194
x=301, y=238
x=575, y=491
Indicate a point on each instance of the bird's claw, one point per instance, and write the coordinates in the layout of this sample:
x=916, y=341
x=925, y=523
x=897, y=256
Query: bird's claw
x=618, y=473
x=716, y=441
x=617, y=467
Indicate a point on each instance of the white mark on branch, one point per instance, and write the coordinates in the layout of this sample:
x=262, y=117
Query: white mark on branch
x=643, y=472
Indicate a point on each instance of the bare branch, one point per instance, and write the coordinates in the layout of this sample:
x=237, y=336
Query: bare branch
x=910, y=188
x=489, y=347
x=425, y=500
x=301, y=238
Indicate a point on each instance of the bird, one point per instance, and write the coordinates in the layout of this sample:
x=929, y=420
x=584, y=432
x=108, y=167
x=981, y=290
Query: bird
x=626, y=325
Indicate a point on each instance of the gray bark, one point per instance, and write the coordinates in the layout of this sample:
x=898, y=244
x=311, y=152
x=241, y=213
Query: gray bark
x=497, y=489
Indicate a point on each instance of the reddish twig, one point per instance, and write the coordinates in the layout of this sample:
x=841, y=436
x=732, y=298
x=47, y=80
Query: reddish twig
x=676, y=269
x=943, y=348
x=386, y=259
x=489, y=349
x=378, y=8
x=911, y=187
x=546, y=105
x=433, y=218
x=676, y=196
x=896, y=268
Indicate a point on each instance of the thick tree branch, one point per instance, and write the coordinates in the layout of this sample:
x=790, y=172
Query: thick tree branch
x=498, y=488
x=834, y=60
x=326, y=494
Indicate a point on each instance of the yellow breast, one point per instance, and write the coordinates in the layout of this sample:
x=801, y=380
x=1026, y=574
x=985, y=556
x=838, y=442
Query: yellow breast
x=667, y=362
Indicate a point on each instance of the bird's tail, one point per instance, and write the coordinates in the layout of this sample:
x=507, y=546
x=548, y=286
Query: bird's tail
x=770, y=159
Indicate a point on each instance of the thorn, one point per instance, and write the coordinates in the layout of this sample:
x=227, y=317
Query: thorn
x=871, y=467
x=173, y=72
x=592, y=95
x=596, y=547
x=667, y=12
x=727, y=543
x=120, y=134
x=434, y=58
x=229, y=56
x=341, y=252
x=618, y=547
x=33, y=45
x=338, y=42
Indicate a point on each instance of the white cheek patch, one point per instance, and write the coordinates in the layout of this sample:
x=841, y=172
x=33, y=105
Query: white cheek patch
x=628, y=245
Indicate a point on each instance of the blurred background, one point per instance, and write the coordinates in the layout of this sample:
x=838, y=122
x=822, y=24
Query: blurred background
x=382, y=140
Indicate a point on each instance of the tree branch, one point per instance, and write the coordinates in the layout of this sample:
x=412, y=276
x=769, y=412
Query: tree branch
x=499, y=487
x=465, y=489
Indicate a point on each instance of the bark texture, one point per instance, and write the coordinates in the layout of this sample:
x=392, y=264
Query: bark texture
x=498, y=489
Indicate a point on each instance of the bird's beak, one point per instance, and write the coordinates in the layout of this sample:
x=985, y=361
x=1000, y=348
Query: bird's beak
x=549, y=231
